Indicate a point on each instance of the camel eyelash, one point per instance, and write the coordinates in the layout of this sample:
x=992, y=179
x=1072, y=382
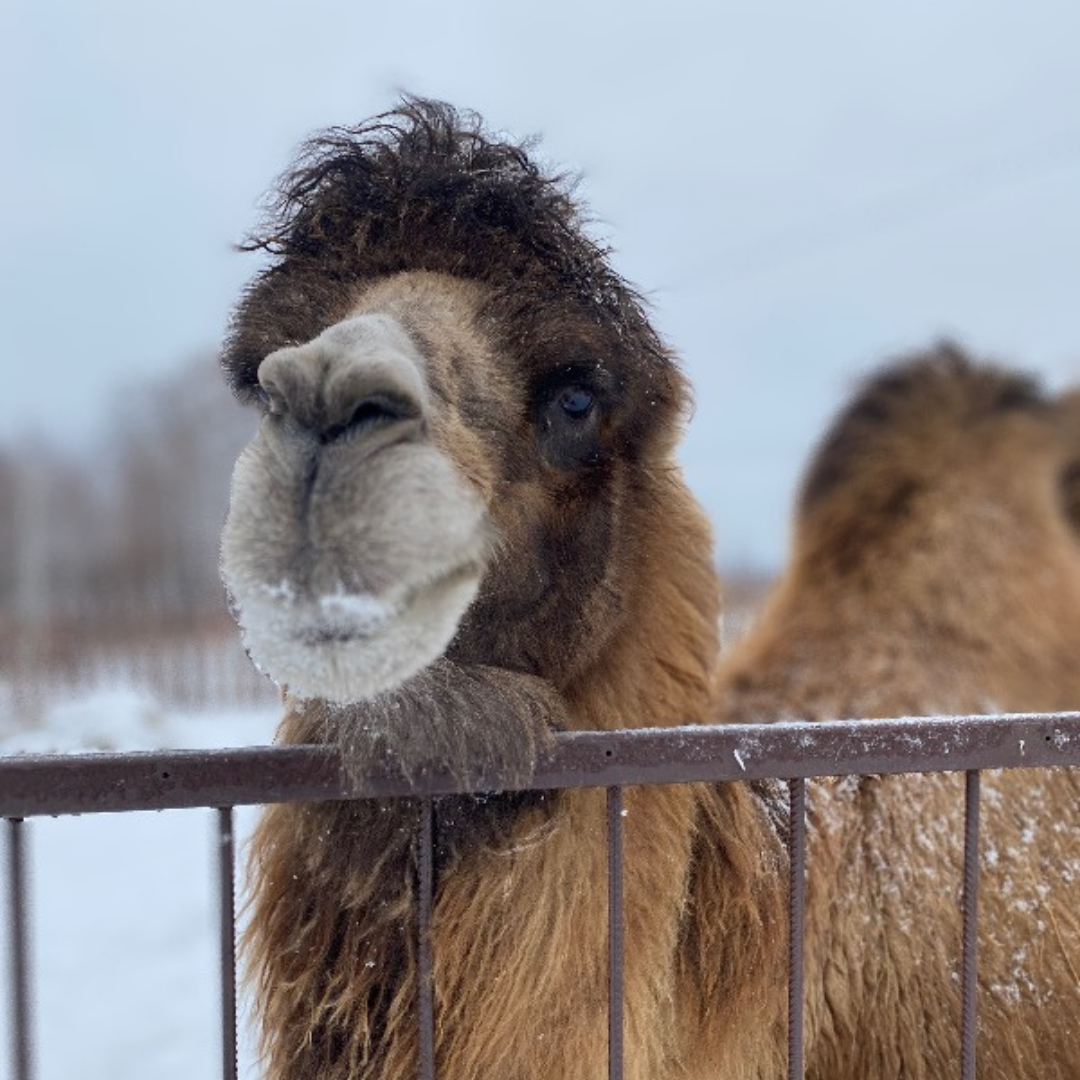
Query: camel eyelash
x=587, y=378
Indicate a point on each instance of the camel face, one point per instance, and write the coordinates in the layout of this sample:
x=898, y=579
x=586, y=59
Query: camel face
x=468, y=421
x=353, y=544
x=445, y=467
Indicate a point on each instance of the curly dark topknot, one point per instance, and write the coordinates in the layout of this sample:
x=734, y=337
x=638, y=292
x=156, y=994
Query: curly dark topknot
x=423, y=187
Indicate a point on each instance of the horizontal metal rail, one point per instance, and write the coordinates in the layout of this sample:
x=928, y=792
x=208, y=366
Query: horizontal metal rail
x=94, y=783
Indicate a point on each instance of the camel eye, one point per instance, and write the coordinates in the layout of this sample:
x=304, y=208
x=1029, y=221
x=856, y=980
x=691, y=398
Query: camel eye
x=576, y=402
x=569, y=425
x=267, y=401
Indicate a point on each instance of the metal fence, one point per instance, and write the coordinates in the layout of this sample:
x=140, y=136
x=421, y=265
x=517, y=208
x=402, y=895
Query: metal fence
x=791, y=752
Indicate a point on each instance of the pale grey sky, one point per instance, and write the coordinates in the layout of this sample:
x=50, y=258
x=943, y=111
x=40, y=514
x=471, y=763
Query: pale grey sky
x=801, y=190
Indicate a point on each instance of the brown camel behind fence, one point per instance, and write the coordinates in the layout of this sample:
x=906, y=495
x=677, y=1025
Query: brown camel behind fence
x=935, y=569
x=461, y=528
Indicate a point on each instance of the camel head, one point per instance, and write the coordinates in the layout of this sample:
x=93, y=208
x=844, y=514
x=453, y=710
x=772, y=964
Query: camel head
x=458, y=399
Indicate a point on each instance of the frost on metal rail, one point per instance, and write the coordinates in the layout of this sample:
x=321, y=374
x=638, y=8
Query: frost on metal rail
x=106, y=783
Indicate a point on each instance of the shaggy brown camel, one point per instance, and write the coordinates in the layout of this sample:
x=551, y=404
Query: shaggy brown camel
x=935, y=569
x=459, y=529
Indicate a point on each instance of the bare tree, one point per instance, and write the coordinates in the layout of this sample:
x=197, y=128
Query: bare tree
x=120, y=542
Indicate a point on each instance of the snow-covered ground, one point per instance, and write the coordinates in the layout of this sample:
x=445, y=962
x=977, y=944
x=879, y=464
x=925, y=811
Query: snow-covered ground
x=124, y=933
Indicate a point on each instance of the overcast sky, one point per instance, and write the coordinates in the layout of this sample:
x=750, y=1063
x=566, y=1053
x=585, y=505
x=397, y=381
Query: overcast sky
x=801, y=190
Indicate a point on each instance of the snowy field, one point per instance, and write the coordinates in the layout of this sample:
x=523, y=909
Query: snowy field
x=124, y=931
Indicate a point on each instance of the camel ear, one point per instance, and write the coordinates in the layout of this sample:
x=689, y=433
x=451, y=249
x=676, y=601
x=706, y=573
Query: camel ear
x=1069, y=489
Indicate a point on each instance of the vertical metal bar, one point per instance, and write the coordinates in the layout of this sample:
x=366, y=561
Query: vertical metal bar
x=970, y=974
x=22, y=1058
x=426, y=971
x=227, y=923
x=796, y=924
x=615, y=933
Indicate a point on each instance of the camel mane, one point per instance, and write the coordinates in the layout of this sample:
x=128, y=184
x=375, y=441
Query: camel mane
x=422, y=187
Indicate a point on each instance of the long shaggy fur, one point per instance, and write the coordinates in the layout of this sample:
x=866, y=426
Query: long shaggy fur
x=935, y=569
x=598, y=609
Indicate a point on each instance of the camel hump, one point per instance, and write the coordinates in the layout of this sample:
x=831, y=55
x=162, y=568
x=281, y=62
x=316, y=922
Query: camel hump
x=905, y=416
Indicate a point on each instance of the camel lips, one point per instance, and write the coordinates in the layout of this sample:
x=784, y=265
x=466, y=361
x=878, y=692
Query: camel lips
x=344, y=617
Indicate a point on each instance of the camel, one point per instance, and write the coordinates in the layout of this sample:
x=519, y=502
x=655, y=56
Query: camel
x=935, y=568
x=460, y=529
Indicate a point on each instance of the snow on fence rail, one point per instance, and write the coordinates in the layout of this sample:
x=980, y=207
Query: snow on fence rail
x=793, y=752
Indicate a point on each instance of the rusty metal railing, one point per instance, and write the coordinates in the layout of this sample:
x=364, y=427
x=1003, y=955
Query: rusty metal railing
x=104, y=783
x=796, y=921
x=970, y=901
x=19, y=949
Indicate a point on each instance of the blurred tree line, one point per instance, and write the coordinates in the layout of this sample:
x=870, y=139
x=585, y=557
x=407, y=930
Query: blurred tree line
x=119, y=542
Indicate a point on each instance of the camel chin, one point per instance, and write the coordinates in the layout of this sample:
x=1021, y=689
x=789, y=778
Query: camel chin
x=349, y=647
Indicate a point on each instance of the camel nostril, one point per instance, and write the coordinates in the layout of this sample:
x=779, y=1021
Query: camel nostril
x=268, y=391
x=378, y=408
x=268, y=400
x=373, y=411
